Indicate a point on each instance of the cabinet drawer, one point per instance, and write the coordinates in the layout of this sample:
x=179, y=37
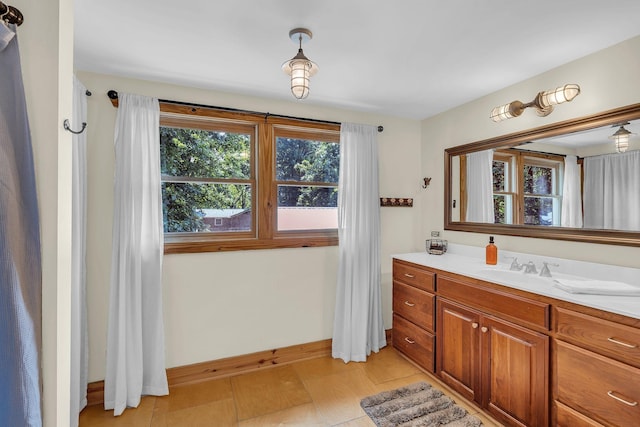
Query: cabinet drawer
x=612, y=339
x=520, y=310
x=414, y=305
x=567, y=417
x=603, y=389
x=414, y=276
x=416, y=343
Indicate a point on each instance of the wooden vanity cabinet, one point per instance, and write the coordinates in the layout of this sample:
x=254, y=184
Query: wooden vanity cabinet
x=413, y=313
x=492, y=345
x=498, y=364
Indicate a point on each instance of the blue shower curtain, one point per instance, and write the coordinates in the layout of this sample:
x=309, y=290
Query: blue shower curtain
x=20, y=269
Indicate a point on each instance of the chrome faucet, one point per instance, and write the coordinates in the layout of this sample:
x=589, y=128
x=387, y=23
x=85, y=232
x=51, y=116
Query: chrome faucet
x=545, y=272
x=515, y=266
x=530, y=268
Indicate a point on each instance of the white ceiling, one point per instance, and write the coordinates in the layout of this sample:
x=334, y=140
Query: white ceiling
x=406, y=58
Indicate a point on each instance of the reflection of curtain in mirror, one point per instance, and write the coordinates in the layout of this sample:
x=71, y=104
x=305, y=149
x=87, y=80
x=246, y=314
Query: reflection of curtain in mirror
x=571, y=197
x=612, y=191
x=480, y=187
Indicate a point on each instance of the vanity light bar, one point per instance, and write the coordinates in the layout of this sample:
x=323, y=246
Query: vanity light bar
x=543, y=103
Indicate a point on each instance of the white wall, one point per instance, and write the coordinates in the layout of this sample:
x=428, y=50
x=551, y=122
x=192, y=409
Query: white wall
x=224, y=304
x=46, y=50
x=608, y=79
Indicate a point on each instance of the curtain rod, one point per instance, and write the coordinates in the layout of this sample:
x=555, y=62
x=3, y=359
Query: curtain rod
x=113, y=95
x=10, y=14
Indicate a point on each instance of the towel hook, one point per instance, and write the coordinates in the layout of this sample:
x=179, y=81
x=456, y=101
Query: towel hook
x=67, y=127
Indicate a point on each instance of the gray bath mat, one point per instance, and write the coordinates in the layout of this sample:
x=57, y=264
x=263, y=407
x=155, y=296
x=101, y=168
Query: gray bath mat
x=416, y=405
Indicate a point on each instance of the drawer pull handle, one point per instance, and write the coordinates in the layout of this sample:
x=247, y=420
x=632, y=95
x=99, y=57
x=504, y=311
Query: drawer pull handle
x=622, y=343
x=410, y=341
x=474, y=325
x=410, y=276
x=484, y=329
x=410, y=304
x=611, y=394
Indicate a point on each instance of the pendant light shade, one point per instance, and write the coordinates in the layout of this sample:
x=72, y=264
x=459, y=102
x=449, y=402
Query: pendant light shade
x=556, y=96
x=300, y=68
x=621, y=138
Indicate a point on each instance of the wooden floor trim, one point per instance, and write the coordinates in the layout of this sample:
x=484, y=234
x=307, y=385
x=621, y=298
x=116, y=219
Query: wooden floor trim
x=229, y=366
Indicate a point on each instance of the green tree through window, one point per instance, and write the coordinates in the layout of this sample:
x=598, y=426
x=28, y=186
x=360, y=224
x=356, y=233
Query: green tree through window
x=305, y=161
x=194, y=165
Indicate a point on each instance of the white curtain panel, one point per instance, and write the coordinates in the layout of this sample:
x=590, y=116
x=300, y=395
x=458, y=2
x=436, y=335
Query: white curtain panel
x=79, y=335
x=358, y=326
x=571, y=194
x=135, y=339
x=612, y=191
x=480, y=187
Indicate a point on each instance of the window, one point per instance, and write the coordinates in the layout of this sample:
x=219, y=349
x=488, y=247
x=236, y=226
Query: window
x=527, y=188
x=307, y=167
x=233, y=180
x=206, y=176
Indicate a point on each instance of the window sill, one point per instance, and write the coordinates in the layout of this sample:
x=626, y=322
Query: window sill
x=190, y=246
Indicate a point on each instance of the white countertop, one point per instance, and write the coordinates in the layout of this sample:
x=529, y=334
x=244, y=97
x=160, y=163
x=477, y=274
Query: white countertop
x=469, y=261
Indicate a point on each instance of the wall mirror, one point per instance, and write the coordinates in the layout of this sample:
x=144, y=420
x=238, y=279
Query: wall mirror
x=522, y=177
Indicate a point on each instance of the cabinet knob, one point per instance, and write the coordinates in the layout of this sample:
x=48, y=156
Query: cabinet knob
x=474, y=325
x=484, y=329
x=409, y=340
x=410, y=276
x=410, y=304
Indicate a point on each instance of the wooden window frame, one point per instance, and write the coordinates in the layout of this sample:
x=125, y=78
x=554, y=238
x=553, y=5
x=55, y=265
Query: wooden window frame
x=512, y=184
x=307, y=134
x=264, y=234
x=516, y=160
x=540, y=160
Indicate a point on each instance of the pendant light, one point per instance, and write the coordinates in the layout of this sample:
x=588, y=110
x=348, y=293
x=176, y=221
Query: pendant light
x=300, y=68
x=621, y=138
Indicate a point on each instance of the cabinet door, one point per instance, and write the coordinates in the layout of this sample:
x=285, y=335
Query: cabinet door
x=515, y=371
x=458, y=342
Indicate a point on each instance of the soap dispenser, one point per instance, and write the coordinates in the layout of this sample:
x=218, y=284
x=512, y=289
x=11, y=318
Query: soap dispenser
x=491, y=252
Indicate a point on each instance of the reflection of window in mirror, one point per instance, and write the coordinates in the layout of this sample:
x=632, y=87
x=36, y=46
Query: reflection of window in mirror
x=527, y=187
x=456, y=201
x=541, y=190
x=504, y=188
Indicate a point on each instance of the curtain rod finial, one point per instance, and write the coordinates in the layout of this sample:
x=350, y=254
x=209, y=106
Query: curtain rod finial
x=112, y=94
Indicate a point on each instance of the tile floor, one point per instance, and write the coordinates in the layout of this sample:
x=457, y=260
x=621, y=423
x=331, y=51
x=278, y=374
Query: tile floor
x=318, y=392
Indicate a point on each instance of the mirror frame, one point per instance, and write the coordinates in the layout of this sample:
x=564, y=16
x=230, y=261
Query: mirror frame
x=612, y=237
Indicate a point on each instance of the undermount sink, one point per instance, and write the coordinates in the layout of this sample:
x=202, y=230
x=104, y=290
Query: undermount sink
x=564, y=282
x=503, y=273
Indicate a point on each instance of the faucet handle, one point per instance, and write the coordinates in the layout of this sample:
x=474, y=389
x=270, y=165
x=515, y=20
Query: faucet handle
x=514, y=264
x=545, y=272
x=530, y=268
